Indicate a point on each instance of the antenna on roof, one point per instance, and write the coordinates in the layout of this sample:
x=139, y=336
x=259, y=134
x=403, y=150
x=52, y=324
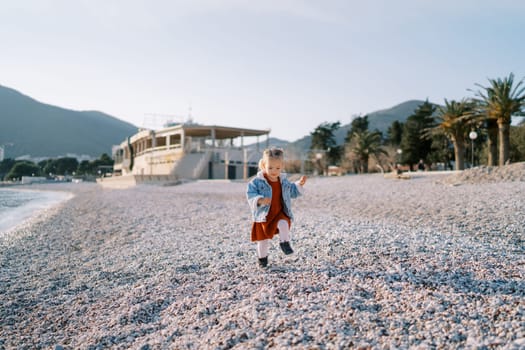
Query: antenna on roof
x=160, y=120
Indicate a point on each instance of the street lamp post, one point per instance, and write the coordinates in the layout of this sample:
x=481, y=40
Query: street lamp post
x=398, y=163
x=472, y=135
x=319, y=157
x=399, y=152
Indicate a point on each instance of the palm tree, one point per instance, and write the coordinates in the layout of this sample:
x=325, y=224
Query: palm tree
x=452, y=122
x=413, y=143
x=324, y=142
x=365, y=144
x=498, y=102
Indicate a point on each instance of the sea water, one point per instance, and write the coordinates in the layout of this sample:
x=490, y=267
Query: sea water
x=18, y=206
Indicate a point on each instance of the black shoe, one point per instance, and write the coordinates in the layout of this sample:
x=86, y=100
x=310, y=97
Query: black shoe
x=263, y=262
x=285, y=247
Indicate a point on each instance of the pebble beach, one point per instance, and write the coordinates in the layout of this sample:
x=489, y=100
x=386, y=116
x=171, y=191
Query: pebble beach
x=436, y=261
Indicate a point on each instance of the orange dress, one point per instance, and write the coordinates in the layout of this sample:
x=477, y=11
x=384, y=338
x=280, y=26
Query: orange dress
x=266, y=230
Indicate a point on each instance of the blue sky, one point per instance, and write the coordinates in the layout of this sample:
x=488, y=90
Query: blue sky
x=288, y=65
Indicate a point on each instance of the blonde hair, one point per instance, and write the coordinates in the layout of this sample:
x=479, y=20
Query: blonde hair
x=271, y=153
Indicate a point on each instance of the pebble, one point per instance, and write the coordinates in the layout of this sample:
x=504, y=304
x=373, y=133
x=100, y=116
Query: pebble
x=378, y=264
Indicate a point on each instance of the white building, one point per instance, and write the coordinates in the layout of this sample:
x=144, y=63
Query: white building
x=185, y=151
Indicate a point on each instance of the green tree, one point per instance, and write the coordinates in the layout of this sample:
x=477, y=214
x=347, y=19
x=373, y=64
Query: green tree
x=442, y=151
x=60, y=166
x=66, y=165
x=324, y=142
x=394, y=133
x=85, y=168
x=105, y=159
x=363, y=145
x=48, y=167
x=358, y=124
x=492, y=141
x=5, y=167
x=517, y=143
x=498, y=102
x=91, y=167
x=414, y=144
x=453, y=123
x=23, y=168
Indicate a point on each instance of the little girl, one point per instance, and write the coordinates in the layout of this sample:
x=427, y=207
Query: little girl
x=269, y=195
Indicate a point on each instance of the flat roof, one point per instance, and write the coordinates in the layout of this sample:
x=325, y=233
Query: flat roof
x=196, y=130
x=221, y=132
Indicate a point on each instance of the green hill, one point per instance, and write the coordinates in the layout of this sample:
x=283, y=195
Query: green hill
x=38, y=130
x=34, y=129
x=383, y=119
x=380, y=120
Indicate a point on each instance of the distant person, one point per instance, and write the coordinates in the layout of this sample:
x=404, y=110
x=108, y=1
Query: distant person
x=269, y=195
x=421, y=165
x=399, y=172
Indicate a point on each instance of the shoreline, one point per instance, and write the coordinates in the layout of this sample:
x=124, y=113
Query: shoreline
x=378, y=263
x=12, y=220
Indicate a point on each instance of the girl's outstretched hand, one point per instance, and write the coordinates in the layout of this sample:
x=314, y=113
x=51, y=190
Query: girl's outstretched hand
x=264, y=201
x=302, y=180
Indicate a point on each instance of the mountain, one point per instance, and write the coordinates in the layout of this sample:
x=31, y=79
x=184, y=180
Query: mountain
x=272, y=142
x=38, y=130
x=383, y=119
x=380, y=120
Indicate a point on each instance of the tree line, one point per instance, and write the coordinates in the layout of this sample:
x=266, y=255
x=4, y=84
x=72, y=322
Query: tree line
x=11, y=169
x=473, y=130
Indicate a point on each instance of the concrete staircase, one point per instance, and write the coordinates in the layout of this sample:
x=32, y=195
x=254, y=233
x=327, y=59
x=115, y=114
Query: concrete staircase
x=192, y=165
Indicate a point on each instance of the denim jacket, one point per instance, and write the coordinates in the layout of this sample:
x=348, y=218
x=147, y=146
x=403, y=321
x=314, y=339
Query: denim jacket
x=258, y=187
